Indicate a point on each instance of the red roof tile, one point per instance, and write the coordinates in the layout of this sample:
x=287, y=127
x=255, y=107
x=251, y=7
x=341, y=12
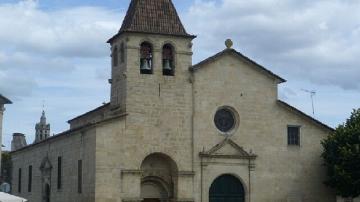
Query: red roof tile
x=153, y=16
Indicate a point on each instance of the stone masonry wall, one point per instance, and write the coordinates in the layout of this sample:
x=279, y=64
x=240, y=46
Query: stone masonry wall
x=71, y=147
x=281, y=172
x=158, y=120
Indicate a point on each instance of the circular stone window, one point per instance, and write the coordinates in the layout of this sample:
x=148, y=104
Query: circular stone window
x=225, y=120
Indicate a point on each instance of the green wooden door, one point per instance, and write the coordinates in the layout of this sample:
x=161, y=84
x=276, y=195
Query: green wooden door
x=226, y=188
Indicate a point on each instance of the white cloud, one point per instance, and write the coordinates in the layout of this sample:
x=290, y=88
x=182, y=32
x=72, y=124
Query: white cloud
x=60, y=56
x=315, y=40
x=76, y=32
x=39, y=47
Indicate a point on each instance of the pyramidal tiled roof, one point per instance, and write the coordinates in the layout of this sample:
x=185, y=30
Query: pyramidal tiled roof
x=153, y=16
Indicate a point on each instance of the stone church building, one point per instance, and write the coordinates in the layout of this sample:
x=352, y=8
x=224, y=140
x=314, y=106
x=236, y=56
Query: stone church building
x=177, y=131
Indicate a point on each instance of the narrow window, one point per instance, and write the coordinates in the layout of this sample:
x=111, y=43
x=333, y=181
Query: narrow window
x=80, y=176
x=19, y=182
x=146, y=56
x=168, y=60
x=59, y=173
x=122, y=53
x=293, y=135
x=30, y=179
x=114, y=56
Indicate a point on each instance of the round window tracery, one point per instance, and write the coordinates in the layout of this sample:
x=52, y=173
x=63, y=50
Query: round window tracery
x=225, y=120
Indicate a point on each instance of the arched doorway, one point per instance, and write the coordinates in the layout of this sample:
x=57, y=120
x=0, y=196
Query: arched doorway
x=227, y=188
x=159, y=178
x=47, y=193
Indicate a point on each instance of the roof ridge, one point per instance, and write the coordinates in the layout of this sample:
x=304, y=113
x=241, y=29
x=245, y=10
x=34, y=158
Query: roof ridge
x=236, y=53
x=129, y=14
x=283, y=103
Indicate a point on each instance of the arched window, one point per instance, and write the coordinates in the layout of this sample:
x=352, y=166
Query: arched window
x=122, y=53
x=168, y=60
x=146, y=54
x=114, y=56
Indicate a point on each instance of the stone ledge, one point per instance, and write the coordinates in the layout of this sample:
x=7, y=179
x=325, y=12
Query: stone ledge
x=185, y=200
x=132, y=200
x=133, y=172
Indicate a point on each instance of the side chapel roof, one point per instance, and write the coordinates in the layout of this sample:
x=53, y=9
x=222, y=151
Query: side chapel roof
x=4, y=100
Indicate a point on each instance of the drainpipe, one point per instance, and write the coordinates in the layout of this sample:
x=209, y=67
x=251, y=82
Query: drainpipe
x=192, y=80
x=249, y=180
x=201, y=179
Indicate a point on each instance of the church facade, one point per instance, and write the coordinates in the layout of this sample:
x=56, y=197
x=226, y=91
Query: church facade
x=174, y=131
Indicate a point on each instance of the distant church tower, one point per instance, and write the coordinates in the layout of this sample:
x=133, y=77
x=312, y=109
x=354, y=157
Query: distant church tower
x=42, y=129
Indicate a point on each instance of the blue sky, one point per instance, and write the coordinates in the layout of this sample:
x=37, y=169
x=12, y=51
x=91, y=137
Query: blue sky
x=55, y=51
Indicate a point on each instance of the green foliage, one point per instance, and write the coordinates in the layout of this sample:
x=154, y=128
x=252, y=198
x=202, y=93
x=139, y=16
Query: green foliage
x=6, y=166
x=342, y=157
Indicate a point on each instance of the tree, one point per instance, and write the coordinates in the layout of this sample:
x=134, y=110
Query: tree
x=6, y=166
x=342, y=157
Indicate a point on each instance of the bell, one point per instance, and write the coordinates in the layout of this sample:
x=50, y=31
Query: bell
x=167, y=65
x=145, y=64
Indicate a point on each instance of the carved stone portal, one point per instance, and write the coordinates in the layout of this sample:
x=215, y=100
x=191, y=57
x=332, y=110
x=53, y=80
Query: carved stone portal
x=45, y=169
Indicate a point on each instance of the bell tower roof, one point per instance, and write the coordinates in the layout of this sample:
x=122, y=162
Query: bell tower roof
x=153, y=17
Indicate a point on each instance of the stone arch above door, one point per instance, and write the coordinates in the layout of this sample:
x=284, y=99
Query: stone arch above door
x=159, y=175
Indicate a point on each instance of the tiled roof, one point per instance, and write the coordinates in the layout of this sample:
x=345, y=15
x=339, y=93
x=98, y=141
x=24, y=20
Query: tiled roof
x=153, y=16
x=4, y=100
x=286, y=105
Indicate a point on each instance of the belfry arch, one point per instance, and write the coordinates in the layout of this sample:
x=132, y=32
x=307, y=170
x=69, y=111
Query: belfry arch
x=159, y=178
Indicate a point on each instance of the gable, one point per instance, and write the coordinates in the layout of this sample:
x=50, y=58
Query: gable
x=239, y=56
x=227, y=149
x=46, y=164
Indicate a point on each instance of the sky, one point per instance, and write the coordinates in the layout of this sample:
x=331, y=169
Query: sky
x=54, y=53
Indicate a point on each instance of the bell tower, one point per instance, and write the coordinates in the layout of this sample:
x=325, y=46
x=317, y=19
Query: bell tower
x=151, y=48
x=42, y=129
x=151, y=84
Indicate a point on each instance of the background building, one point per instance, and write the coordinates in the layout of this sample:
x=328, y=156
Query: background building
x=3, y=102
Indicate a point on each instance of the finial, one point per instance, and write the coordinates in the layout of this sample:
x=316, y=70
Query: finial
x=43, y=105
x=229, y=43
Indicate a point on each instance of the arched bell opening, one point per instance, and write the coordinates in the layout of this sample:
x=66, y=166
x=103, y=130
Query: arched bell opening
x=159, y=178
x=227, y=188
x=168, y=60
x=146, y=58
x=122, y=53
x=114, y=55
